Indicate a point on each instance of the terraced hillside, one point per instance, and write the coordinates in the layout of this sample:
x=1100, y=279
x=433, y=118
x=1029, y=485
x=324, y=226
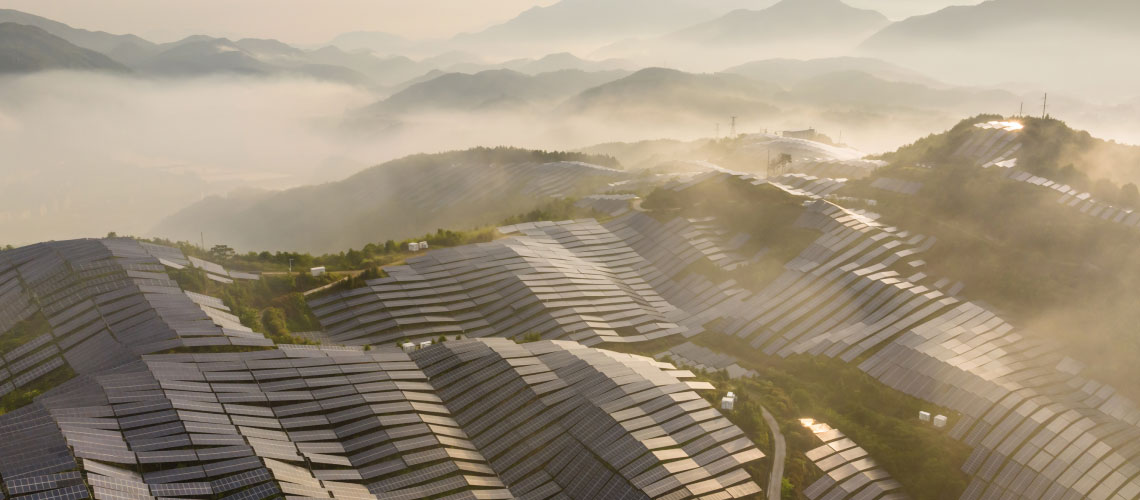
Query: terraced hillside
x=860, y=291
x=132, y=388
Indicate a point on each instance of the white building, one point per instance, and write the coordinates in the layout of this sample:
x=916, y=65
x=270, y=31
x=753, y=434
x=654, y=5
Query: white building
x=317, y=271
x=423, y=245
x=408, y=347
x=940, y=421
x=924, y=416
x=413, y=247
x=728, y=402
x=425, y=344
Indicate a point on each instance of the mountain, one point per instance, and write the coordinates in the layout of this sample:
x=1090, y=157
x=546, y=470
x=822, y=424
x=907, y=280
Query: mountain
x=657, y=94
x=492, y=89
x=399, y=199
x=214, y=55
x=597, y=22
x=25, y=49
x=799, y=29
x=125, y=49
x=789, y=72
x=790, y=22
x=1057, y=43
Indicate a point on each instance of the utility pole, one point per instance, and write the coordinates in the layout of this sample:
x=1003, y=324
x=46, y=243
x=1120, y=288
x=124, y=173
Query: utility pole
x=290, y=266
x=1021, y=110
x=1045, y=106
x=203, y=236
x=734, y=127
x=768, y=168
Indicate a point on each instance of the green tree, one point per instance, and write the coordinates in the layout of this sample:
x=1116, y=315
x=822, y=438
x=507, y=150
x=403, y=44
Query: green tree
x=1129, y=195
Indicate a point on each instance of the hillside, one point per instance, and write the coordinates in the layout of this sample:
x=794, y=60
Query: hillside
x=398, y=199
x=1039, y=235
x=125, y=49
x=25, y=49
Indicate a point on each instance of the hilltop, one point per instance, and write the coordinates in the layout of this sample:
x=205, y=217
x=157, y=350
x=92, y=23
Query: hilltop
x=401, y=198
x=25, y=49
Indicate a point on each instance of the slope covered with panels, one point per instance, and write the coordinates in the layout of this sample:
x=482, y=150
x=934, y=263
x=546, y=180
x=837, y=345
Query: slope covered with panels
x=96, y=304
x=468, y=419
x=860, y=293
x=572, y=280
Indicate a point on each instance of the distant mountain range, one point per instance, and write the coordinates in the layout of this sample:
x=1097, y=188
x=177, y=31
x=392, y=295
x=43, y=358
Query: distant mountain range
x=789, y=29
x=26, y=49
x=1057, y=43
x=600, y=22
x=790, y=22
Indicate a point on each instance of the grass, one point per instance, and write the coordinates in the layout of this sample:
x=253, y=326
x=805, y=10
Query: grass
x=23, y=332
x=881, y=420
x=24, y=396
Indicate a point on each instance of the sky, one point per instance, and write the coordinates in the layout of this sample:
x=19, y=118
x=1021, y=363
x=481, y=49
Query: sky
x=308, y=22
x=293, y=21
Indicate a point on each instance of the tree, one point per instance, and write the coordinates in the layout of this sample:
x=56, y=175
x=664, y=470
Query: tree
x=112, y=234
x=441, y=339
x=222, y=252
x=1129, y=195
x=787, y=489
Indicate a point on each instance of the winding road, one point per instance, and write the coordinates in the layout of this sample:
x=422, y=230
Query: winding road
x=775, y=480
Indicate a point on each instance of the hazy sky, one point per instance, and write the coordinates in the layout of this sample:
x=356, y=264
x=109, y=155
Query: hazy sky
x=316, y=22
x=295, y=21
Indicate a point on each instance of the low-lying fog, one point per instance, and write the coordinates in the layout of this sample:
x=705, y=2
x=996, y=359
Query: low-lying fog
x=84, y=154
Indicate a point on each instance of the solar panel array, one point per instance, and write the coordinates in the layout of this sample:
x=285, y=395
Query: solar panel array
x=860, y=293
x=849, y=472
x=559, y=420
x=990, y=143
x=105, y=302
x=702, y=358
x=471, y=419
x=1038, y=428
x=610, y=204
x=571, y=280
x=835, y=169
x=808, y=185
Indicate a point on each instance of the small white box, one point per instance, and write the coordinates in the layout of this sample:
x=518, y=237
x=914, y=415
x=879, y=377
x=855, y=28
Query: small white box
x=317, y=271
x=413, y=247
x=408, y=347
x=423, y=245
x=940, y=421
x=727, y=403
x=924, y=416
x=425, y=344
